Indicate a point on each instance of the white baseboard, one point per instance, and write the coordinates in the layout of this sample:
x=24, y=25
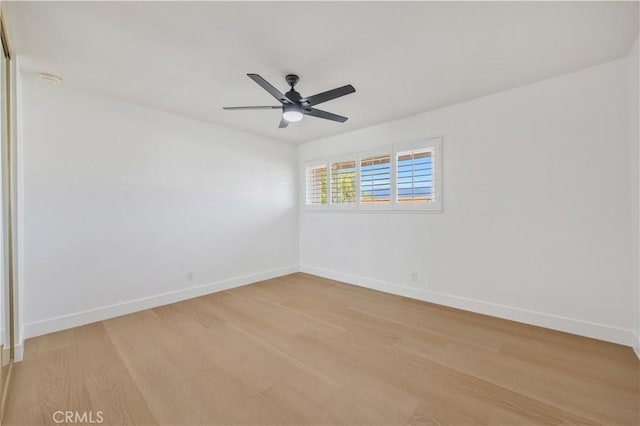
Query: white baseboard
x=64, y=322
x=554, y=322
x=17, y=355
x=574, y=326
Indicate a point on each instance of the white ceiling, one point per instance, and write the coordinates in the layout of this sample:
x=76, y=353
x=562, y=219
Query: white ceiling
x=403, y=58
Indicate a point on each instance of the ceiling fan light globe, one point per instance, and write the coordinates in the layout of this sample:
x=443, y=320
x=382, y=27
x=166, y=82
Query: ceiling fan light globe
x=292, y=116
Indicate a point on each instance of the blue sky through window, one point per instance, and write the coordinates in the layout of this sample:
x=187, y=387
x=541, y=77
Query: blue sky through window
x=415, y=176
x=375, y=179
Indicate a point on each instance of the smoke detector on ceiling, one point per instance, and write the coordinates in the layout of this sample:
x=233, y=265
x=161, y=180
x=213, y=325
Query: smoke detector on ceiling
x=50, y=79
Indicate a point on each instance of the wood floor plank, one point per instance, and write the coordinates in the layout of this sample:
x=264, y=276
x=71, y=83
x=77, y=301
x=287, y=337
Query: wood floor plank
x=304, y=350
x=107, y=380
x=82, y=374
x=178, y=381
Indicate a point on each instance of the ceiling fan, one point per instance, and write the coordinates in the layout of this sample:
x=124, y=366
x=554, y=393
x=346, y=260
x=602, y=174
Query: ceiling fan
x=294, y=106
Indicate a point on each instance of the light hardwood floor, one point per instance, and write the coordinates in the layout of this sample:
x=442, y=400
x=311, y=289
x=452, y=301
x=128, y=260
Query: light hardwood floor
x=305, y=350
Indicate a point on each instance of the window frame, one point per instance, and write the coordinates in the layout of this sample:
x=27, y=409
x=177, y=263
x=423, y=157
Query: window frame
x=342, y=206
x=433, y=143
x=311, y=165
x=376, y=153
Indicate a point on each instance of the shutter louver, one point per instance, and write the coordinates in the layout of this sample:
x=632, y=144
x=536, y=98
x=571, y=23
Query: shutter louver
x=343, y=182
x=414, y=176
x=375, y=180
x=316, y=185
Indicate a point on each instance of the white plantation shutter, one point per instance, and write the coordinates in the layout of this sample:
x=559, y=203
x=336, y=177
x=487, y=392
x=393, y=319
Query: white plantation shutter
x=406, y=176
x=414, y=176
x=343, y=182
x=316, y=185
x=375, y=180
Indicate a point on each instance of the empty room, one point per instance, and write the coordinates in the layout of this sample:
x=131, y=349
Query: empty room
x=319, y=213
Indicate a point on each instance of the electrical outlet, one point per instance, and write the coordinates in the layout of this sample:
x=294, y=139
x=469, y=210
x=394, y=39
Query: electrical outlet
x=414, y=276
x=190, y=276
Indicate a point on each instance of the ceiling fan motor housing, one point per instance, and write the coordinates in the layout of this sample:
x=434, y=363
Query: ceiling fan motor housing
x=292, y=79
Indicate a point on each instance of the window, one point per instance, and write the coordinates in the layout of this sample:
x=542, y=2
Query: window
x=316, y=185
x=375, y=180
x=343, y=182
x=404, y=176
x=414, y=180
x=418, y=175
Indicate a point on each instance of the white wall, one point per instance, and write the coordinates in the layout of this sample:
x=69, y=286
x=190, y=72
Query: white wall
x=634, y=140
x=120, y=202
x=535, y=224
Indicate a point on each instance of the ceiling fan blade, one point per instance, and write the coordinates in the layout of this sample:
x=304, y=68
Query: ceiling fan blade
x=269, y=88
x=254, y=107
x=324, y=114
x=328, y=95
x=283, y=123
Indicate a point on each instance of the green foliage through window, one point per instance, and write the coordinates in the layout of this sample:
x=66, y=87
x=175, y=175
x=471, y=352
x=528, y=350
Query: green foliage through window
x=316, y=185
x=343, y=182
